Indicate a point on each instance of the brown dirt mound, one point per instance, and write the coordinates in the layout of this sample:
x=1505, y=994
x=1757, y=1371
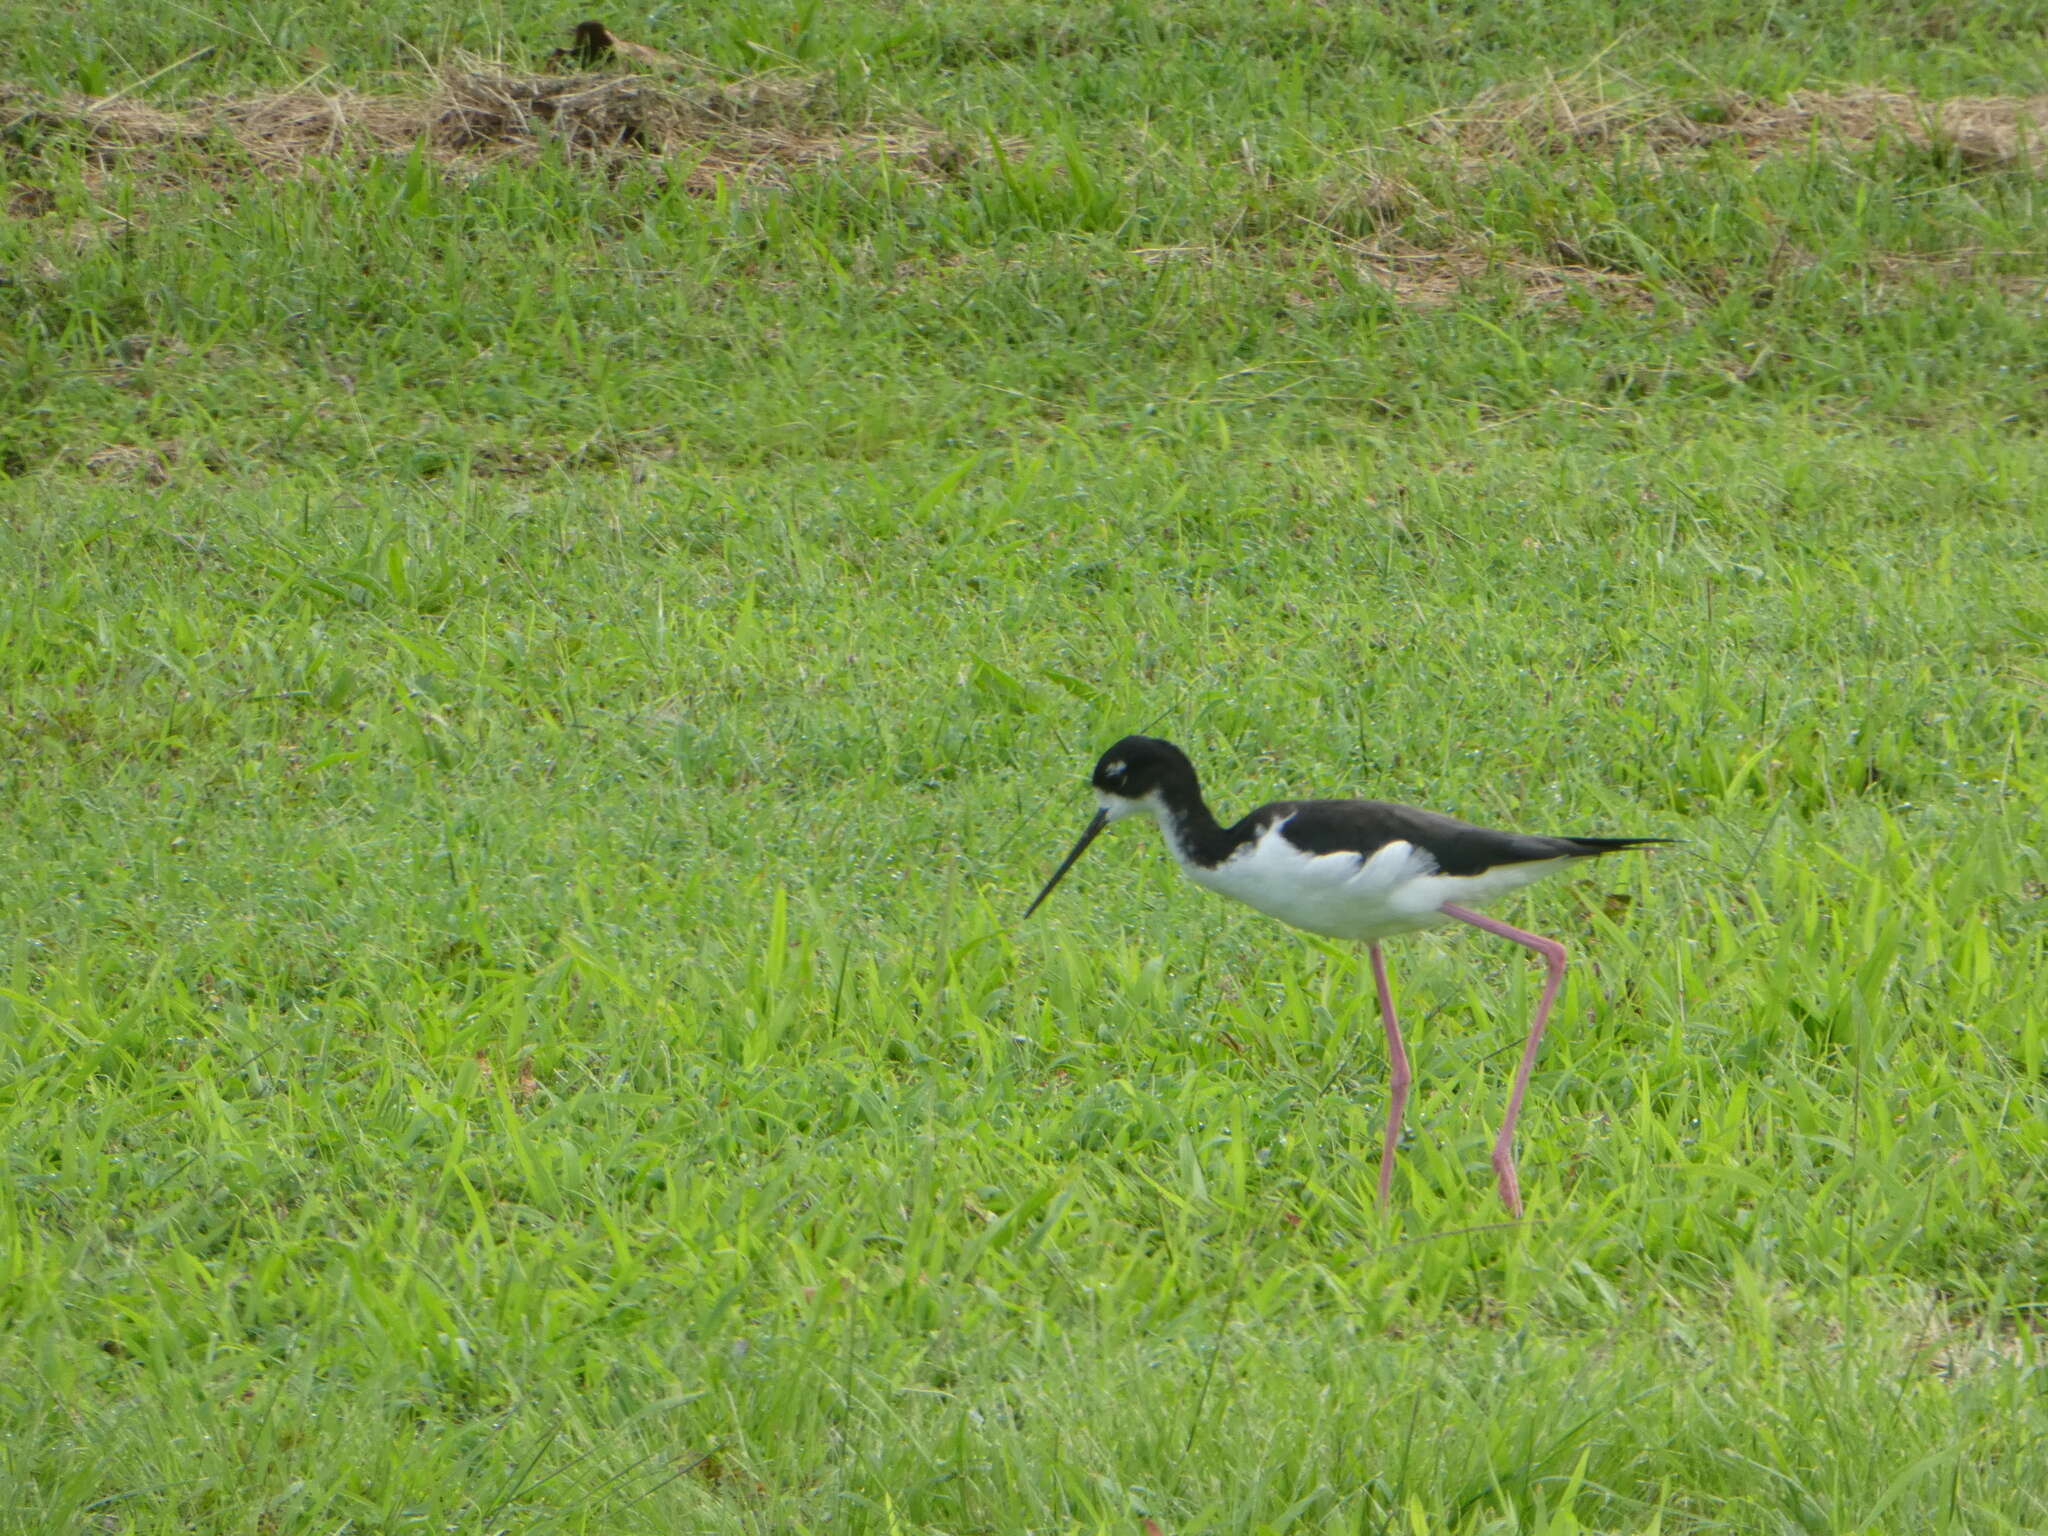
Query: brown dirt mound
x=758, y=127
x=1578, y=112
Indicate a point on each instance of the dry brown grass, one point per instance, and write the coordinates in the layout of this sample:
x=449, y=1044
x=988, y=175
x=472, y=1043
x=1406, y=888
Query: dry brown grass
x=759, y=128
x=1582, y=112
x=1430, y=278
x=125, y=461
x=1428, y=254
x=762, y=128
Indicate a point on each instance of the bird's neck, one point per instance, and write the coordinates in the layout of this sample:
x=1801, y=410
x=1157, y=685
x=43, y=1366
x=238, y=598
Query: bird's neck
x=1194, y=835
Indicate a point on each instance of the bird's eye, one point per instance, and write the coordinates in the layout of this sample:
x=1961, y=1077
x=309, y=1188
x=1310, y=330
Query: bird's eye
x=1113, y=770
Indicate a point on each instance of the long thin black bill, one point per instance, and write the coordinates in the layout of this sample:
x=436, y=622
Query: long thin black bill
x=1094, y=827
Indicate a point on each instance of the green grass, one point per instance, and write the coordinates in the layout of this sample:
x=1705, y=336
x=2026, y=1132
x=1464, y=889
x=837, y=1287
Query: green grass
x=521, y=771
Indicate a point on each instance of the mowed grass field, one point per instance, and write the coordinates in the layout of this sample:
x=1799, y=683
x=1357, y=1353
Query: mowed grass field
x=539, y=679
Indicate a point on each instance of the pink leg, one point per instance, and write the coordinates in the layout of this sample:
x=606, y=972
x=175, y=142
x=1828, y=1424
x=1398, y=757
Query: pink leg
x=1553, y=958
x=1397, y=1077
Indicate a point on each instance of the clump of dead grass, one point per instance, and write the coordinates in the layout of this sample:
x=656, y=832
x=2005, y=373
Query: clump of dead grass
x=1430, y=279
x=124, y=461
x=760, y=127
x=1424, y=277
x=1426, y=252
x=1581, y=111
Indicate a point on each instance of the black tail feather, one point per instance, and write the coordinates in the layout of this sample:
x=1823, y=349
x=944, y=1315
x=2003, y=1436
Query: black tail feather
x=1589, y=847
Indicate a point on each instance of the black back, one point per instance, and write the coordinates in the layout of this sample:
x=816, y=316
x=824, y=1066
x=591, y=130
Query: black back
x=1364, y=827
x=1140, y=765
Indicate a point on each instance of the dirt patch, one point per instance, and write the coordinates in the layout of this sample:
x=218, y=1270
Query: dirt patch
x=760, y=127
x=1581, y=112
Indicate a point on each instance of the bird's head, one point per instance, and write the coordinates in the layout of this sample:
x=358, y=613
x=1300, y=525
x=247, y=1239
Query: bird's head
x=1139, y=773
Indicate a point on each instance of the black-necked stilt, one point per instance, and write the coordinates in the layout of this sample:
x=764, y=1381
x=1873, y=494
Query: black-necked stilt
x=1348, y=869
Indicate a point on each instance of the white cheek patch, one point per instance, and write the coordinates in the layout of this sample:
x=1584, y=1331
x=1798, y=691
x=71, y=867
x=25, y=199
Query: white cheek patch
x=1117, y=807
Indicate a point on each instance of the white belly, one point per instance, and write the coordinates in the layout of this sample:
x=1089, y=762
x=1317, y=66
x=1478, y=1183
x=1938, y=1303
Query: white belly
x=1342, y=896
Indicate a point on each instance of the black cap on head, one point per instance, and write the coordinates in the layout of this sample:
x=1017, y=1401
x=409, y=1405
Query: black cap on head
x=1137, y=765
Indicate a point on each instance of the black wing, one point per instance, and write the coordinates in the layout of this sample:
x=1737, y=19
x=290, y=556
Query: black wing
x=1364, y=827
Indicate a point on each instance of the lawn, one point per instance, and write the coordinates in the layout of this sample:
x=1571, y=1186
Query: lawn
x=541, y=663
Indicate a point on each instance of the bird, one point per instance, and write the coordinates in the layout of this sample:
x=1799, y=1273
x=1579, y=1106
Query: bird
x=1350, y=869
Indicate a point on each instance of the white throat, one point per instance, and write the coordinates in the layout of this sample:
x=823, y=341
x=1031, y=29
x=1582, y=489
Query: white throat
x=1153, y=804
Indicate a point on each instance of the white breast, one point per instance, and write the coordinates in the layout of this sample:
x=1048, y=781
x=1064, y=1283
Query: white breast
x=1343, y=896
